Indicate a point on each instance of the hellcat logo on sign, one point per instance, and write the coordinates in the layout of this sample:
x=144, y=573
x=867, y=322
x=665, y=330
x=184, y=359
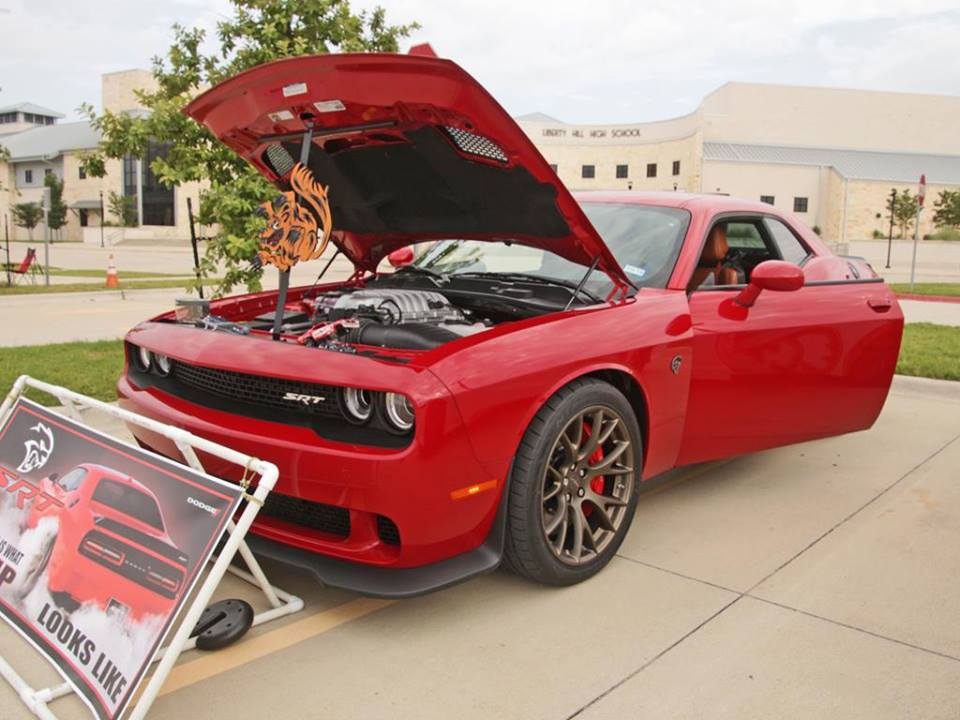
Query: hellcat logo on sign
x=38, y=449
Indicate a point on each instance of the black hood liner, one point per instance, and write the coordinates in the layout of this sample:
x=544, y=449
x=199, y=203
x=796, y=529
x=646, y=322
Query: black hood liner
x=427, y=186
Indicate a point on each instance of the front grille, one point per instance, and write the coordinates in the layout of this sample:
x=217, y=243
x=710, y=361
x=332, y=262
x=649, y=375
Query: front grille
x=260, y=390
x=387, y=530
x=315, y=516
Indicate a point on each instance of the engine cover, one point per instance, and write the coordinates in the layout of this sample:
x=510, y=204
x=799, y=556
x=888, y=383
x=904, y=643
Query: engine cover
x=396, y=306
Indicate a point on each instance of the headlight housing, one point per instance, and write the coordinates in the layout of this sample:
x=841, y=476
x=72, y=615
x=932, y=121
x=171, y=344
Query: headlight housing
x=398, y=412
x=143, y=359
x=162, y=365
x=356, y=404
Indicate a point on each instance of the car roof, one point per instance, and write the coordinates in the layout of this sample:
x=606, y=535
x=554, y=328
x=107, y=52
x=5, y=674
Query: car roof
x=703, y=202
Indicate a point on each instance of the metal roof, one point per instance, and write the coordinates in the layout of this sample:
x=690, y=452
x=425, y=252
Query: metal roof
x=853, y=164
x=29, y=107
x=46, y=142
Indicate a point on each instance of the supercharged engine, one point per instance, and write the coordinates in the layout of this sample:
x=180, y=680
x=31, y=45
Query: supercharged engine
x=389, y=317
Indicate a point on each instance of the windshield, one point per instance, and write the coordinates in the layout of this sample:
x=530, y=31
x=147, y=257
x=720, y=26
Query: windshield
x=645, y=240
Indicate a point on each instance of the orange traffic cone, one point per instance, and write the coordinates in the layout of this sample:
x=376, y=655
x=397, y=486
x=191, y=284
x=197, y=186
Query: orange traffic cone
x=113, y=280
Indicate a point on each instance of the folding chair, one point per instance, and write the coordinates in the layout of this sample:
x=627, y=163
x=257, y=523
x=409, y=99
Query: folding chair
x=28, y=268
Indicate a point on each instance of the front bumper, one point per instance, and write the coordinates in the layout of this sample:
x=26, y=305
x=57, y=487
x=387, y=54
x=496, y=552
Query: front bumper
x=441, y=539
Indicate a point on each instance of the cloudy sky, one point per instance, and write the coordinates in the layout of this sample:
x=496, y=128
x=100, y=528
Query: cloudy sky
x=602, y=61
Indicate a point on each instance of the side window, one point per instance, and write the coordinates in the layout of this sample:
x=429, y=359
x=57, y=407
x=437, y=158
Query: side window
x=731, y=250
x=745, y=236
x=72, y=480
x=791, y=249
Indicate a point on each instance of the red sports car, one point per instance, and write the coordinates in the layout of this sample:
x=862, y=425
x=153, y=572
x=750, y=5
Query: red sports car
x=500, y=397
x=111, y=546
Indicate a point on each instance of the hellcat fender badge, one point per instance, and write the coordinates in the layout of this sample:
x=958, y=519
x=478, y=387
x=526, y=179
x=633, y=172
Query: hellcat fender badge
x=675, y=364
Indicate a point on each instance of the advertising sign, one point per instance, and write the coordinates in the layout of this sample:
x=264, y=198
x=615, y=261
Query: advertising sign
x=100, y=545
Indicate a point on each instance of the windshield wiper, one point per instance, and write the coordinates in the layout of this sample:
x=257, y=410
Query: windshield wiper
x=438, y=278
x=575, y=288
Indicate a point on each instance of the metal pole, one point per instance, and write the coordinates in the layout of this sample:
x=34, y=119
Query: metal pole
x=46, y=249
x=6, y=237
x=102, y=218
x=196, y=254
x=916, y=240
x=893, y=204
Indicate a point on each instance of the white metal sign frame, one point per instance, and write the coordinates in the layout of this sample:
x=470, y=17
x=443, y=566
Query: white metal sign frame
x=281, y=603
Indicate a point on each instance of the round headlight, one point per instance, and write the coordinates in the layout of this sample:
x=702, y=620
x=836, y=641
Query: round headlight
x=356, y=404
x=163, y=364
x=142, y=359
x=399, y=412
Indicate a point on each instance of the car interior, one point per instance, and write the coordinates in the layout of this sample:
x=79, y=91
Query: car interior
x=735, y=247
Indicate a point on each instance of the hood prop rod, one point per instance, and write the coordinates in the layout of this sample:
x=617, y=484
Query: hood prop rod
x=285, y=274
x=583, y=281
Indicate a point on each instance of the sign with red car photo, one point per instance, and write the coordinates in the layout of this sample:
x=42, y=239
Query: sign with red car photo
x=100, y=545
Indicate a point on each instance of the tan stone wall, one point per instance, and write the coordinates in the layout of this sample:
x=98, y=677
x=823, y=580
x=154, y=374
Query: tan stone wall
x=866, y=198
x=88, y=189
x=832, y=202
x=119, y=89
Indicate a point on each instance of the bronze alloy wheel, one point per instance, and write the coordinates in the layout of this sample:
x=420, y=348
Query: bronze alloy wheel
x=587, y=485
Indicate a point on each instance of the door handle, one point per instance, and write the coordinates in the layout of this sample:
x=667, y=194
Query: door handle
x=880, y=306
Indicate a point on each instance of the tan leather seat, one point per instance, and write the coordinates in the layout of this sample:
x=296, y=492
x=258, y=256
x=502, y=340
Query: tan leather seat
x=714, y=252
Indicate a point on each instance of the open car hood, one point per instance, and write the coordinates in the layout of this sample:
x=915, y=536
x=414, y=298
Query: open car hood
x=410, y=148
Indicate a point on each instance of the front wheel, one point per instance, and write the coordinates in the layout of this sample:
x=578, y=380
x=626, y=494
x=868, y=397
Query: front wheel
x=574, y=484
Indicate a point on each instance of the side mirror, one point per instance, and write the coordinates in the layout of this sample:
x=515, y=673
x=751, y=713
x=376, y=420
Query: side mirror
x=401, y=258
x=776, y=275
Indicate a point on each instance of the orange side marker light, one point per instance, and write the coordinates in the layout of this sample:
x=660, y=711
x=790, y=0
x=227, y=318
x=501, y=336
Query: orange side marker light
x=472, y=490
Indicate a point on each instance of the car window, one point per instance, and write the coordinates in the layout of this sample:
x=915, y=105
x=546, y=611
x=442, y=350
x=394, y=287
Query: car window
x=72, y=480
x=791, y=249
x=129, y=501
x=745, y=236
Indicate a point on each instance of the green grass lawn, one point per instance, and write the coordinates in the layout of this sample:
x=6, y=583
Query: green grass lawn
x=146, y=284
x=76, y=272
x=952, y=289
x=930, y=350
x=91, y=368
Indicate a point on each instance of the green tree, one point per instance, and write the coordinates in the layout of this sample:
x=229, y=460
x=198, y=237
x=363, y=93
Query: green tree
x=124, y=208
x=256, y=31
x=947, y=209
x=27, y=215
x=57, y=214
x=904, y=210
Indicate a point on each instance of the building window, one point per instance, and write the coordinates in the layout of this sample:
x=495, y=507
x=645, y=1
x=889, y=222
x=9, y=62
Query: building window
x=768, y=199
x=158, y=199
x=84, y=220
x=651, y=169
x=10, y=117
x=28, y=176
x=676, y=167
x=82, y=173
x=46, y=172
x=588, y=171
x=553, y=166
x=800, y=204
x=622, y=172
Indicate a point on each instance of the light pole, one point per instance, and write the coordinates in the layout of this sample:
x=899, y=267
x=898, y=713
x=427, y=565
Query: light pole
x=893, y=204
x=102, y=218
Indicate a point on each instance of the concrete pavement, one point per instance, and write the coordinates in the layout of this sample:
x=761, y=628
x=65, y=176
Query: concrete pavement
x=813, y=581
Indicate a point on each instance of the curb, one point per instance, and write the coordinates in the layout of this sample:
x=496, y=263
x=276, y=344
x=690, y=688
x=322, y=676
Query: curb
x=928, y=298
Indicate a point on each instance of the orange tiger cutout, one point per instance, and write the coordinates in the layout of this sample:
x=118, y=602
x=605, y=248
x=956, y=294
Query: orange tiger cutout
x=292, y=233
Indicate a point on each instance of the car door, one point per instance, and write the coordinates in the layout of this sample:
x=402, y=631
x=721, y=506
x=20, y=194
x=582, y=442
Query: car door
x=796, y=365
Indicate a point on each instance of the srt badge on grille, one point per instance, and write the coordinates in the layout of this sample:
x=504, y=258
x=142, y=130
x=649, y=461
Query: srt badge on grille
x=305, y=399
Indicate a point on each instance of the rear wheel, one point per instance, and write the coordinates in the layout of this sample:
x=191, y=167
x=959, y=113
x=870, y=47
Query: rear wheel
x=574, y=484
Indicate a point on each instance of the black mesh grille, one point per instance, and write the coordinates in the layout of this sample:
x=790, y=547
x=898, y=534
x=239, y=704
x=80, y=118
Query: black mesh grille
x=475, y=144
x=279, y=159
x=316, y=516
x=312, y=399
x=387, y=530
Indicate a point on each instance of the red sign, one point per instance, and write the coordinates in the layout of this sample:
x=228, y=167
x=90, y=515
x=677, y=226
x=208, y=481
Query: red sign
x=100, y=545
x=922, y=190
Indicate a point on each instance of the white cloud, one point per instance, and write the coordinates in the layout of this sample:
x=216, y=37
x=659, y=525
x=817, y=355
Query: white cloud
x=599, y=60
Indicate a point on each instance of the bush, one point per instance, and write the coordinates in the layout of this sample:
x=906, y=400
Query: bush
x=816, y=229
x=877, y=235
x=952, y=234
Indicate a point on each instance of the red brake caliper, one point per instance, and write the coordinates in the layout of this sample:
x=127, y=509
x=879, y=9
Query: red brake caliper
x=597, y=484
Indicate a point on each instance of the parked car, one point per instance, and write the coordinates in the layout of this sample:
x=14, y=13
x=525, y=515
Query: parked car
x=501, y=394
x=111, y=545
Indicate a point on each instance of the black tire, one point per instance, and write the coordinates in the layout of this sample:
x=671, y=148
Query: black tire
x=529, y=550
